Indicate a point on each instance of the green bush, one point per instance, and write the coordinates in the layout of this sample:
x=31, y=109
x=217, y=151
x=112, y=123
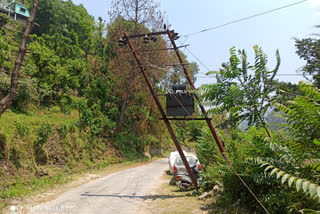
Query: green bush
x=130, y=146
x=3, y=146
x=43, y=133
x=63, y=131
x=27, y=95
x=4, y=19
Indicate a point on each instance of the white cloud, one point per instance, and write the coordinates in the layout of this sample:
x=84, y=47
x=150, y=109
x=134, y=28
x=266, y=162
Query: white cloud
x=314, y=3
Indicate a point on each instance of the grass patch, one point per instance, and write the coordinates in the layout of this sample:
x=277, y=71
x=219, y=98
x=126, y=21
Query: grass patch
x=33, y=119
x=174, y=200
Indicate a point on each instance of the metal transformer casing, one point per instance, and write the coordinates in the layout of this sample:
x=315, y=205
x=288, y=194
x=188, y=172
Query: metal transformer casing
x=180, y=104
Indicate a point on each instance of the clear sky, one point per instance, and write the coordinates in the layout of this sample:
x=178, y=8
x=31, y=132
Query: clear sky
x=271, y=31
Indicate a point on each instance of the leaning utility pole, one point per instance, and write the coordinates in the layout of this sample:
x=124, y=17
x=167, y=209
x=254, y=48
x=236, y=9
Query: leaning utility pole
x=172, y=36
x=6, y=102
x=203, y=110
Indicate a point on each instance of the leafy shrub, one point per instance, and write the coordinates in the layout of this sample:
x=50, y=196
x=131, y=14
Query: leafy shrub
x=3, y=146
x=130, y=146
x=5, y=50
x=63, y=131
x=65, y=104
x=206, y=148
x=27, y=94
x=22, y=129
x=4, y=19
x=43, y=133
x=4, y=84
x=288, y=179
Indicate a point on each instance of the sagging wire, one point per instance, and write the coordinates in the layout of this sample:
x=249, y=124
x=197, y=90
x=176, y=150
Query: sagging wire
x=242, y=19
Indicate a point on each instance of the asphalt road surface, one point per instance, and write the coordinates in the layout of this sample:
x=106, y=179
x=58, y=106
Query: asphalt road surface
x=121, y=192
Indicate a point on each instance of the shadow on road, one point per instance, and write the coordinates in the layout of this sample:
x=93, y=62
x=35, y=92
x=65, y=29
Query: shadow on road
x=143, y=197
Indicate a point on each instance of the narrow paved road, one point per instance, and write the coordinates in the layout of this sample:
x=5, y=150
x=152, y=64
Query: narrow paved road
x=122, y=192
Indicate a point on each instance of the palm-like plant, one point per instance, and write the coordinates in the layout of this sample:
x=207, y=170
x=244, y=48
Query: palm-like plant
x=243, y=90
x=301, y=144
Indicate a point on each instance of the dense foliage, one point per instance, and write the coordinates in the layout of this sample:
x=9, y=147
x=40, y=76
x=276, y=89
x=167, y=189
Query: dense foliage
x=283, y=169
x=308, y=49
x=243, y=90
x=80, y=102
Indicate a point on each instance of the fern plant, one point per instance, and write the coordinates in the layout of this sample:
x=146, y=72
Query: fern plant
x=297, y=149
x=310, y=188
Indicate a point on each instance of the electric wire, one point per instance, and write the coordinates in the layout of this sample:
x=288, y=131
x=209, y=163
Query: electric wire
x=198, y=59
x=244, y=183
x=245, y=18
x=210, y=77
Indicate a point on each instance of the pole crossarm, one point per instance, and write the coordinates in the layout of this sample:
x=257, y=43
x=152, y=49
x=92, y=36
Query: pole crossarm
x=145, y=34
x=187, y=118
x=151, y=50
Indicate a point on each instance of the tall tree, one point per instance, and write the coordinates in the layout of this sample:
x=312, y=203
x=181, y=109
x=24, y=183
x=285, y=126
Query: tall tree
x=145, y=12
x=134, y=16
x=243, y=90
x=67, y=22
x=6, y=102
x=309, y=50
x=176, y=74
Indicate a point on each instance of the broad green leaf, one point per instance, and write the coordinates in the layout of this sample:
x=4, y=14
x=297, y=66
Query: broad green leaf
x=317, y=142
x=274, y=171
x=284, y=178
x=269, y=167
x=291, y=180
x=312, y=189
x=299, y=184
x=305, y=186
x=318, y=192
x=264, y=164
x=280, y=173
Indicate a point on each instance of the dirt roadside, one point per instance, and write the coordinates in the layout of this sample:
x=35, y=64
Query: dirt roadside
x=172, y=200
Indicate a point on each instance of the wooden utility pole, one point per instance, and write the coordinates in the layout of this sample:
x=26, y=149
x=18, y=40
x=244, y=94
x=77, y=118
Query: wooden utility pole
x=203, y=110
x=164, y=116
x=172, y=36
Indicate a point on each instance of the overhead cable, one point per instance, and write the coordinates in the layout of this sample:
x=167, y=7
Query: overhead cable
x=248, y=17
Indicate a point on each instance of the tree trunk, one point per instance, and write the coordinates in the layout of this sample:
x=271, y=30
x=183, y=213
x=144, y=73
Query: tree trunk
x=264, y=125
x=6, y=102
x=122, y=113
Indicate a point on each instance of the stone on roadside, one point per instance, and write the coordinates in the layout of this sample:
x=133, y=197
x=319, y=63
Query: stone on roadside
x=147, y=154
x=188, y=194
x=204, y=195
x=216, y=188
x=204, y=207
x=211, y=193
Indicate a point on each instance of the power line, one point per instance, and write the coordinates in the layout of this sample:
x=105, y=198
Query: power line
x=209, y=77
x=249, y=17
x=198, y=59
x=201, y=63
